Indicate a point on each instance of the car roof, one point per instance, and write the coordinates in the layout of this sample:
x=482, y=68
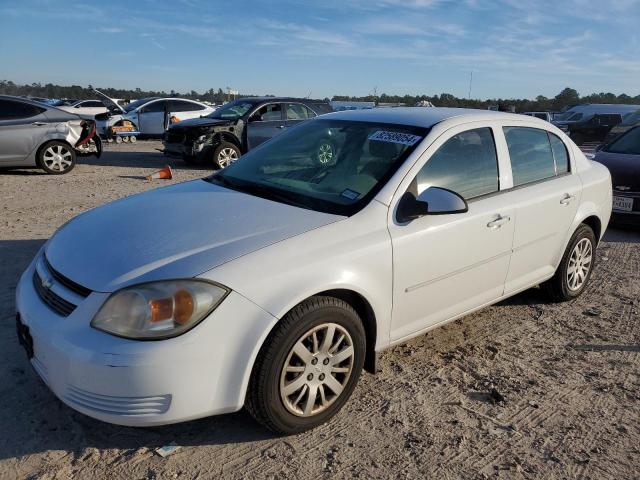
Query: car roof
x=25, y=100
x=281, y=99
x=420, y=116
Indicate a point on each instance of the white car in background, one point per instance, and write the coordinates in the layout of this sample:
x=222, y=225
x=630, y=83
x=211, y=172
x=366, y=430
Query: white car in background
x=273, y=282
x=149, y=115
x=85, y=108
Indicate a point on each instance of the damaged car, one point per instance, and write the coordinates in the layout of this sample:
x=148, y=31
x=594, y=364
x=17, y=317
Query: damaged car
x=221, y=137
x=149, y=116
x=36, y=135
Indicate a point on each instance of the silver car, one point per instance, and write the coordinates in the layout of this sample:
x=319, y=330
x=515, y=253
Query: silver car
x=37, y=135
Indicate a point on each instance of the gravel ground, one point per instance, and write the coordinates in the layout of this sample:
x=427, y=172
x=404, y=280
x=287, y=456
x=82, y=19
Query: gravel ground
x=523, y=389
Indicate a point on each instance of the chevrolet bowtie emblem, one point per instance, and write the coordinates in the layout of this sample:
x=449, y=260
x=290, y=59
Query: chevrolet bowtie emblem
x=623, y=188
x=47, y=283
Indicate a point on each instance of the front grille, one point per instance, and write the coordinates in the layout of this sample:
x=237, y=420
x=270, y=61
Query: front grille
x=151, y=405
x=51, y=299
x=67, y=283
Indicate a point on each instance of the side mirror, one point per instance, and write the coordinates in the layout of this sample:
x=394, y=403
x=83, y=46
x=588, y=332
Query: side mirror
x=432, y=201
x=254, y=118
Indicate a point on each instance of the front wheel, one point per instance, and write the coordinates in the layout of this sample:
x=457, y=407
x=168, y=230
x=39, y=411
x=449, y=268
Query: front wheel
x=575, y=268
x=225, y=154
x=57, y=158
x=326, y=153
x=308, y=366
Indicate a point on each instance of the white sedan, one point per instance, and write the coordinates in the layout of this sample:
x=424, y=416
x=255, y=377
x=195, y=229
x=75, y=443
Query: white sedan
x=274, y=282
x=85, y=108
x=149, y=115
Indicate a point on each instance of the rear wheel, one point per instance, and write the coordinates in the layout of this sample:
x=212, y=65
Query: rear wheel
x=57, y=158
x=225, y=154
x=308, y=366
x=575, y=268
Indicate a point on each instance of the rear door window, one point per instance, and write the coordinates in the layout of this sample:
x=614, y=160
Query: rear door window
x=12, y=110
x=466, y=163
x=531, y=154
x=182, y=106
x=297, y=111
x=157, y=106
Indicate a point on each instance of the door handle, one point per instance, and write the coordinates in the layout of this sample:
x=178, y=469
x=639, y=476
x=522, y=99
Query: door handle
x=498, y=222
x=38, y=124
x=281, y=126
x=566, y=199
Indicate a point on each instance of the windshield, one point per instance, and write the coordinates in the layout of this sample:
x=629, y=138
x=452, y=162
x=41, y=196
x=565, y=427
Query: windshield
x=569, y=116
x=628, y=143
x=133, y=105
x=328, y=165
x=631, y=119
x=232, y=110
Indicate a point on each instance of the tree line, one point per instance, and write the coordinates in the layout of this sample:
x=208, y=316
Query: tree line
x=566, y=98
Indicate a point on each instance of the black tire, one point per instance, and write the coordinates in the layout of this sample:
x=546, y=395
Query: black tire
x=219, y=154
x=263, y=398
x=49, y=154
x=557, y=287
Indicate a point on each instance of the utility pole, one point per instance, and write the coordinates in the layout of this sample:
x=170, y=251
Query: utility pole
x=470, y=84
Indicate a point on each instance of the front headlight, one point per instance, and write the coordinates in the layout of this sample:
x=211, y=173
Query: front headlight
x=158, y=309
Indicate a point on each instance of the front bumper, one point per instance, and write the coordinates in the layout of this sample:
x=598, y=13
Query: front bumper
x=175, y=150
x=141, y=383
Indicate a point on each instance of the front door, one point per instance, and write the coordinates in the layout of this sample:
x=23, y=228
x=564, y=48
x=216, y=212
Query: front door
x=265, y=123
x=446, y=265
x=151, y=118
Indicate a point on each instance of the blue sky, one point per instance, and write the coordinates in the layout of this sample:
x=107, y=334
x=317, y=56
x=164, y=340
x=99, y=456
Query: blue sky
x=514, y=48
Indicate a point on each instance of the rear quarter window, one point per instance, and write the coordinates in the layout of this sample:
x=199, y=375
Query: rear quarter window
x=13, y=110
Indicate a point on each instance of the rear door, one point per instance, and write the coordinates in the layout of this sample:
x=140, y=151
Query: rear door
x=446, y=265
x=265, y=123
x=151, y=117
x=546, y=195
x=22, y=127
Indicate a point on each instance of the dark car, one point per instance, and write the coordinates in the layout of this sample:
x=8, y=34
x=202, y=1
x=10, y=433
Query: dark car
x=594, y=127
x=622, y=158
x=223, y=136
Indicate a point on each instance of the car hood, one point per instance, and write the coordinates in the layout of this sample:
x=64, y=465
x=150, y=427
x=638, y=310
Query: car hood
x=179, y=231
x=625, y=169
x=199, y=122
x=111, y=105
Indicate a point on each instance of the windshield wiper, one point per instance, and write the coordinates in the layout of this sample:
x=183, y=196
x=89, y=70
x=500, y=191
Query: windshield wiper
x=270, y=194
x=257, y=190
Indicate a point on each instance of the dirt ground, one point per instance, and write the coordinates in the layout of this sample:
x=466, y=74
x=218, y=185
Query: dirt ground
x=523, y=389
